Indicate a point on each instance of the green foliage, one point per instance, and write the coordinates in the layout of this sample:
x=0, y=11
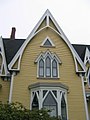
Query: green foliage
x=16, y=111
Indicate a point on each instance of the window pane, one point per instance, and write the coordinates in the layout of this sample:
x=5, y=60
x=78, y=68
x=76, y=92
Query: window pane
x=41, y=72
x=50, y=104
x=48, y=72
x=47, y=43
x=54, y=72
x=41, y=68
x=54, y=63
x=48, y=67
x=35, y=103
x=63, y=108
x=48, y=62
x=41, y=63
x=54, y=69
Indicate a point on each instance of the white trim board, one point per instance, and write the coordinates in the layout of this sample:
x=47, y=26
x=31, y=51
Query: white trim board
x=35, y=31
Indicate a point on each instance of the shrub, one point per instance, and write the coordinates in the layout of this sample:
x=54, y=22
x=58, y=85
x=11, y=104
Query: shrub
x=16, y=111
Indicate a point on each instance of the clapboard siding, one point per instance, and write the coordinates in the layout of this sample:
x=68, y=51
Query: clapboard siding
x=4, y=91
x=68, y=76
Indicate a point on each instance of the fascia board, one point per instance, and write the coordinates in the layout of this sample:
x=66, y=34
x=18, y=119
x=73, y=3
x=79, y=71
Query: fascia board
x=4, y=58
x=63, y=37
x=61, y=34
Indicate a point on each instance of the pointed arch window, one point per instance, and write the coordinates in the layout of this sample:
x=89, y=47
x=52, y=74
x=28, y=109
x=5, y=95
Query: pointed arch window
x=54, y=68
x=63, y=108
x=41, y=68
x=54, y=99
x=50, y=104
x=48, y=67
x=35, y=104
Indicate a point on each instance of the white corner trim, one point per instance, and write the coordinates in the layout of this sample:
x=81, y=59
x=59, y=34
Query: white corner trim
x=18, y=66
x=85, y=102
x=11, y=87
x=74, y=53
x=4, y=64
x=35, y=32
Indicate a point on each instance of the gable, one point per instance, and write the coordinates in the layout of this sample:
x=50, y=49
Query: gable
x=48, y=21
x=11, y=47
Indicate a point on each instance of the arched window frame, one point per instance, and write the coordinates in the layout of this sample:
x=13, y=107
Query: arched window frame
x=42, y=90
x=51, y=44
x=47, y=67
x=63, y=107
x=52, y=57
x=55, y=68
x=41, y=68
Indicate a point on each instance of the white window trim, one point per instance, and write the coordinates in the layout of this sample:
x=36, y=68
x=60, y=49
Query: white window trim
x=52, y=57
x=49, y=87
x=49, y=41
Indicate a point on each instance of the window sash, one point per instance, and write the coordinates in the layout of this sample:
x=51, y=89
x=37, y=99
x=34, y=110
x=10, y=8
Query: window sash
x=48, y=67
x=41, y=68
x=54, y=69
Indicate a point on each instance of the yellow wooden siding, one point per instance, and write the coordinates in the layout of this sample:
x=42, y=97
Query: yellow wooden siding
x=28, y=74
x=4, y=91
x=43, y=24
x=52, y=25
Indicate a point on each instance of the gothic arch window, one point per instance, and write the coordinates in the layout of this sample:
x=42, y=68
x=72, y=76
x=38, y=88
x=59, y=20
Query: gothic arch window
x=41, y=68
x=63, y=108
x=35, y=104
x=47, y=65
x=43, y=95
x=50, y=104
x=54, y=68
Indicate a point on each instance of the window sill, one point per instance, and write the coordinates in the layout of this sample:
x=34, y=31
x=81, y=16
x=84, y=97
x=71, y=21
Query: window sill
x=46, y=46
x=53, y=78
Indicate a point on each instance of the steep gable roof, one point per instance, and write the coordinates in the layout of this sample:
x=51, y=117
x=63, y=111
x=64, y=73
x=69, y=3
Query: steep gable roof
x=80, y=49
x=49, y=22
x=11, y=47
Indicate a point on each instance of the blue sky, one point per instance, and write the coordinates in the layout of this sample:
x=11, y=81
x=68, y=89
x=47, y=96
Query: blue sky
x=73, y=16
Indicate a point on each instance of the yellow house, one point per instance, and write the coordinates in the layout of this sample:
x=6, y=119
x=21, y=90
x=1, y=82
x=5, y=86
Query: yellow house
x=46, y=71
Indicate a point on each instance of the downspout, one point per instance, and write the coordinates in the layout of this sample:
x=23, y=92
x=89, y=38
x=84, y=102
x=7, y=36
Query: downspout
x=85, y=102
x=11, y=87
